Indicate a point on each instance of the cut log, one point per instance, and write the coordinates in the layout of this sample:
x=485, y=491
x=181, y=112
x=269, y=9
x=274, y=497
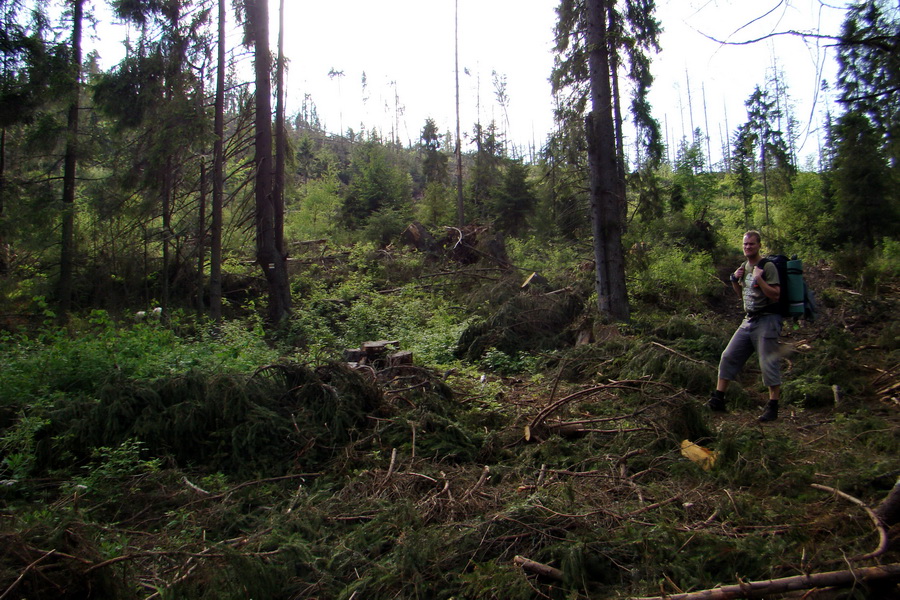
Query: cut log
x=404, y=357
x=379, y=346
x=354, y=355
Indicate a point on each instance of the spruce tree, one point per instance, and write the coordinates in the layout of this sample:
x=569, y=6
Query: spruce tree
x=866, y=200
x=869, y=69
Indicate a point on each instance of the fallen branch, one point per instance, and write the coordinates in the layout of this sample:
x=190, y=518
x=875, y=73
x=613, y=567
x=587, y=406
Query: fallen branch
x=484, y=477
x=757, y=589
x=252, y=483
x=537, y=428
x=650, y=507
x=539, y=419
x=889, y=509
x=25, y=572
x=679, y=354
x=879, y=526
x=538, y=568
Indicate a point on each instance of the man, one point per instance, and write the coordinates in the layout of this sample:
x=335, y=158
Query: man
x=759, y=331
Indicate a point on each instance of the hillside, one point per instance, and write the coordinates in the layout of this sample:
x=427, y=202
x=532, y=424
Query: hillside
x=153, y=461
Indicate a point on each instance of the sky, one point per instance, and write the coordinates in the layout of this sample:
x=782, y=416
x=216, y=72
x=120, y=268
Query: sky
x=406, y=49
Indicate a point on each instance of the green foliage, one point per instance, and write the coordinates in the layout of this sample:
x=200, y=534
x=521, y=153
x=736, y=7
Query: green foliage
x=437, y=207
x=868, y=74
x=434, y=165
x=234, y=423
x=83, y=359
x=751, y=457
x=316, y=216
x=556, y=261
x=865, y=194
x=112, y=469
x=514, y=202
x=506, y=364
x=385, y=225
x=805, y=219
x=673, y=276
x=493, y=581
x=807, y=390
x=696, y=185
x=522, y=323
x=19, y=442
x=377, y=185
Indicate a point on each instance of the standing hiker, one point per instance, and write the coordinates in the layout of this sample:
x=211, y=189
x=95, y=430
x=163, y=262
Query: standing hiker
x=760, y=289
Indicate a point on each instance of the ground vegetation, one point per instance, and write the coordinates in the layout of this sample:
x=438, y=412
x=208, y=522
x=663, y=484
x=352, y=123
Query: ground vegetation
x=507, y=461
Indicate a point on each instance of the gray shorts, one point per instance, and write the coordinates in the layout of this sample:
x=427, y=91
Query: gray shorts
x=759, y=334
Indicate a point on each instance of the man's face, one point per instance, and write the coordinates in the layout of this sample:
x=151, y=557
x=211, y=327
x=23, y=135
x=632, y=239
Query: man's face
x=751, y=246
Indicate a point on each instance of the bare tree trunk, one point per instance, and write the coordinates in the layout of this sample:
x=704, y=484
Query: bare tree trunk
x=167, y=198
x=215, y=246
x=271, y=261
x=4, y=249
x=67, y=246
x=201, y=238
x=280, y=144
x=612, y=27
x=460, y=209
x=606, y=204
x=765, y=170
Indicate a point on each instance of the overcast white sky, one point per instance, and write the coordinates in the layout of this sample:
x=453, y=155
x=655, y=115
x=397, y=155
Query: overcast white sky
x=406, y=49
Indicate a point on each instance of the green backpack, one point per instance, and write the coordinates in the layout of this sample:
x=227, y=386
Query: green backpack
x=799, y=301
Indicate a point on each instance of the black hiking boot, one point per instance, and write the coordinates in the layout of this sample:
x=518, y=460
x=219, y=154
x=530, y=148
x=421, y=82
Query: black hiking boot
x=716, y=402
x=770, y=413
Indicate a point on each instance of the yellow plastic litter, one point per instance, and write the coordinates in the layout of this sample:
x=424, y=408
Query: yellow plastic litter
x=700, y=455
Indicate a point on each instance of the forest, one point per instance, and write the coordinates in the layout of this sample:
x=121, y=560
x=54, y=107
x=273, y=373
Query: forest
x=242, y=356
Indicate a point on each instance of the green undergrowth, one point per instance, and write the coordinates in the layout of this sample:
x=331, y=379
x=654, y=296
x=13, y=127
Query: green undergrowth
x=184, y=461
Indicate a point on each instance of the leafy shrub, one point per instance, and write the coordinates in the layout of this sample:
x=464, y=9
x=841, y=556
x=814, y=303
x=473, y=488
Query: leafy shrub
x=385, y=226
x=674, y=276
x=508, y=364
x=557, y=262
x=318, y=213
x=113, y=467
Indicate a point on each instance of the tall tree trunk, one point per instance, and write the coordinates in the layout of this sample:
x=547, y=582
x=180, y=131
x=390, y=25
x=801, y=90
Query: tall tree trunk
x=271, y=261
x=67, y=246
x=613, y=27
x=168, y=194
x=218, y=176
x=620, y=142
x=606, y=204
x=4, y=248
x=765, y=171
x=201, y=238
x=460, y=209
x=280, y=144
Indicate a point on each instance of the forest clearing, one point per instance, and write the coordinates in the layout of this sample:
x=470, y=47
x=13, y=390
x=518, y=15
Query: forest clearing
x=243, y=356
x=224, y=467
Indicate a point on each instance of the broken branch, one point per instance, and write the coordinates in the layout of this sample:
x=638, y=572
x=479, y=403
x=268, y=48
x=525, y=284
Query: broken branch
x=755, y=589
x=538, y=568
x=879, y=526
